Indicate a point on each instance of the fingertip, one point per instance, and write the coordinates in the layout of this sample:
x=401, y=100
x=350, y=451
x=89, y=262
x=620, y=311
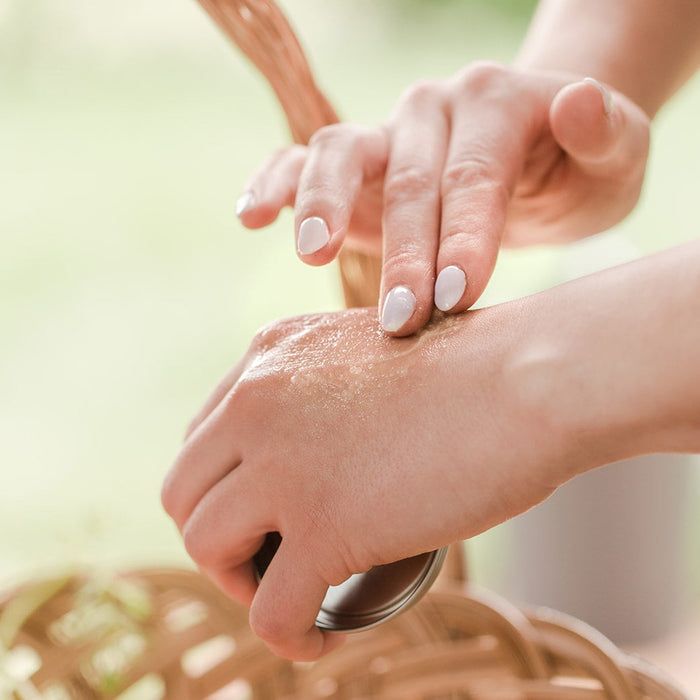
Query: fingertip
x=253, y=212
x=315, y=243
x=587, y=99
x=450, y=288
x=605, y=95
x=583, y=119
x=245, y=203
x=274, y=631
x=312, y=646
x=312, y=236
x=402, y=313
x=259, y=214
x=466, y=261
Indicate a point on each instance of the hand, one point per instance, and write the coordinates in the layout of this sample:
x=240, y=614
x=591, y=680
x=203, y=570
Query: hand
x=493, y=155
x=360, y=450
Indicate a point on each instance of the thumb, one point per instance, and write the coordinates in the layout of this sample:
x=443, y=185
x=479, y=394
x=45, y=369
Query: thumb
x=603, y=132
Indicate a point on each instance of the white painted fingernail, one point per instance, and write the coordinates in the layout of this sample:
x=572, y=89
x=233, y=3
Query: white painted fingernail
x=313, y=235
x=399, y=306
x=449, y=287
x=608, y=104
x=245, y=203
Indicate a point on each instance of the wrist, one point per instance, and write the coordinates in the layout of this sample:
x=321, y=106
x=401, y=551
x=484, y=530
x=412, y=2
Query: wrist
x=645, y=50
x=543, y=380
x=607, y=365
x=558, y=393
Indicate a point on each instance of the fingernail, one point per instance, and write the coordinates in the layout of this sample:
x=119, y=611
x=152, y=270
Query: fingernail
x=399, y=306
x=313, y=235
x=608, y=104
x=449, y=287
x=245, y=203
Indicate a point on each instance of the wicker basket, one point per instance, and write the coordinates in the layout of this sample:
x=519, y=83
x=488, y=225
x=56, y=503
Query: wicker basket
x=171, y=634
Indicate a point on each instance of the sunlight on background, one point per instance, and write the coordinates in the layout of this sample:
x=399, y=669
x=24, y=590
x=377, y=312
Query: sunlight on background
x=128, y=287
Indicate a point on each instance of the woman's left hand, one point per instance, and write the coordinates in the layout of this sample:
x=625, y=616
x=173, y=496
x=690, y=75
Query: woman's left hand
x=360, y=450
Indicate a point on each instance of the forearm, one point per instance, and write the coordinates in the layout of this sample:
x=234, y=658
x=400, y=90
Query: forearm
x=646, y=49
x=611, y=362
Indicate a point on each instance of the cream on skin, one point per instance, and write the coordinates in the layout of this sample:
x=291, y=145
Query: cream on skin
x=477, y=419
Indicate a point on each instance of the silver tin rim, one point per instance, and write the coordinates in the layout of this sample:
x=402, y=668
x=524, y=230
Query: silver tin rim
x=354, y=621
x=357, y=622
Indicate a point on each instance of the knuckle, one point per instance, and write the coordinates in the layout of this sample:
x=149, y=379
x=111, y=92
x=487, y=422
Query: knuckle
x=280, y=156
x=407, y=259
x=474, y=173
x=296, y=151
x=197, y=545
x=325, y=194
x=335, y=559
x=481, y=76
x=173, y=496
x=266, y=335
x=465, y=174
x=421, y=92
x=407, y=183
x=458, y=237
x=464, y=243
x=250, y=399
x=475, y=225
x=239, y=400
x=276, y=156
x=331, y=135
x=168, y=496
x=280, y=153
x=273, y=333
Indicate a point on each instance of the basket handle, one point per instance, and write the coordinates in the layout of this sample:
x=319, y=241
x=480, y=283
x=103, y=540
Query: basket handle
x=455, y=569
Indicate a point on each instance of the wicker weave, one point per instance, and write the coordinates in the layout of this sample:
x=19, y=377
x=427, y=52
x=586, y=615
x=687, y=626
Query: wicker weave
x=172, y=631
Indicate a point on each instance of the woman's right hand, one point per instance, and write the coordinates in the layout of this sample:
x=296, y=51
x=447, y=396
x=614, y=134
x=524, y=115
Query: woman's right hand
x=491, y=156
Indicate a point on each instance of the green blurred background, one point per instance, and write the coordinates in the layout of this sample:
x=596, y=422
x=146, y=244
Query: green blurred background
x=127, y=285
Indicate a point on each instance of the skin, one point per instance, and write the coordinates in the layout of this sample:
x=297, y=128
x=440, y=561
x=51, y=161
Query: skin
x=362, y=449
x=461, y=427
x=495, y=155
x=492, y=156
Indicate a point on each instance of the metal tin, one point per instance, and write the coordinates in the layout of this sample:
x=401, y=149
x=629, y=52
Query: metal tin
x=368, y=599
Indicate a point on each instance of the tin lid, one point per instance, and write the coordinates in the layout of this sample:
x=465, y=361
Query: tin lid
x=367, y=599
